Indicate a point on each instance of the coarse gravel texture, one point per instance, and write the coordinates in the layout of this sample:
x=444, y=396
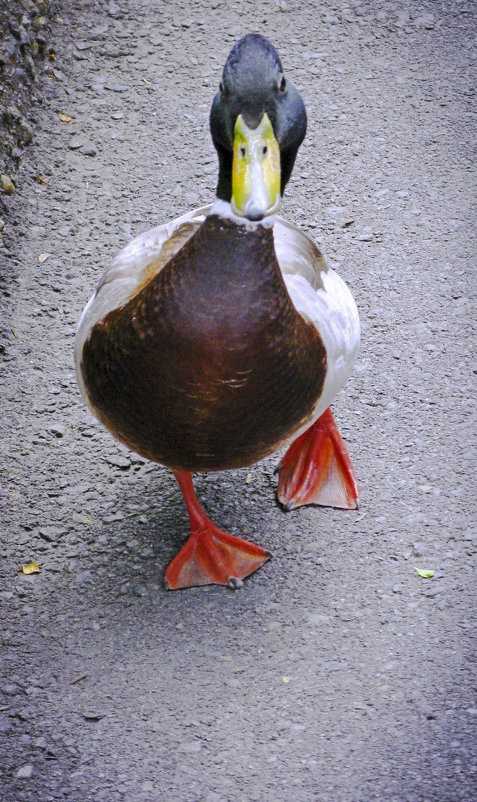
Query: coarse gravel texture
x=337, y=673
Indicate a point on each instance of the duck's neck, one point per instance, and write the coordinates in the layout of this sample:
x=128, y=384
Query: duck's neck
x=235, y=256
x=224, y=209
x=227, y=274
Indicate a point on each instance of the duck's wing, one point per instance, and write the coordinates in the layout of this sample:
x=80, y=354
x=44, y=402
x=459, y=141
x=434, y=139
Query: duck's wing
x=134, y=266
x=297, y=254
x=322, y=298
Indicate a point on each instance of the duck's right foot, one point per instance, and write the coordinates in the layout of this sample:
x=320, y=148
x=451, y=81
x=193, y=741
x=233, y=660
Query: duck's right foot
x=317, y=469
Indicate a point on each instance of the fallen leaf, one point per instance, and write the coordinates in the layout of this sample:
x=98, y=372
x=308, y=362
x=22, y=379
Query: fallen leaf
x=425, y=574
x=42, y=179
x=286, y=680
x=65, y=118
x=43, y=257
x=29, y=568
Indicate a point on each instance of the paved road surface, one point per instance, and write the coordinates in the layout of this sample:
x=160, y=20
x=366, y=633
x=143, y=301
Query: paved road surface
x=336, y=674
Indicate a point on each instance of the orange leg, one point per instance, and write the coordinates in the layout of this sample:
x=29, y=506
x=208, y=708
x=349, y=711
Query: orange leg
x=317, y=469
x=210, y=556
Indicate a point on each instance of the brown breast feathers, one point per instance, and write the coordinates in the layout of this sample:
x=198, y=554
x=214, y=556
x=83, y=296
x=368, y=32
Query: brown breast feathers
x=208, y=366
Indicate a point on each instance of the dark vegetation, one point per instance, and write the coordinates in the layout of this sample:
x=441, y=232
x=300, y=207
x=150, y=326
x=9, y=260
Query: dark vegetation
x=25, y=51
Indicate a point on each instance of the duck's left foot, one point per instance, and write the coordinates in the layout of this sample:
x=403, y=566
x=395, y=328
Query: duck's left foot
x=317, y=469
x=214, y=557
x=210, y=556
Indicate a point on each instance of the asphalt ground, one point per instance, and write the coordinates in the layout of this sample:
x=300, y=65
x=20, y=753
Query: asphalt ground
x=337, y=673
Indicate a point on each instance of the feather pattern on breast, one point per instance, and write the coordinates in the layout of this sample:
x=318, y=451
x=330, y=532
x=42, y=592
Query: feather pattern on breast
x=318, y=294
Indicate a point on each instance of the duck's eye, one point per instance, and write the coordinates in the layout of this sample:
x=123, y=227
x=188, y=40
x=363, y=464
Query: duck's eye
x=264, y=150
x=242, y=152
x=221, y=88
x=283, y=84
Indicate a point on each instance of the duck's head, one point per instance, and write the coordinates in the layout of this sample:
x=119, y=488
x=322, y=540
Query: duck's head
x=258, y=122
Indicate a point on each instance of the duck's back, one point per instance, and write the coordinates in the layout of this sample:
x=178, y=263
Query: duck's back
x=208, y=365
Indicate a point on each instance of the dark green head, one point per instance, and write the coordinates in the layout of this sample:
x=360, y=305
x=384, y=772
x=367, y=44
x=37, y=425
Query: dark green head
x=253, y=83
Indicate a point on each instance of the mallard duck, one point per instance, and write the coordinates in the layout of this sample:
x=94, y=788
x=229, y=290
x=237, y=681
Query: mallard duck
x=216, y=339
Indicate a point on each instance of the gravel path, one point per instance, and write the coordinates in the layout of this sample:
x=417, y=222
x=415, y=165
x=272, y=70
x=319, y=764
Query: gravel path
x=337, y=673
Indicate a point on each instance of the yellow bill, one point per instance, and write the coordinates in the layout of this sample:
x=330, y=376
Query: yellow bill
x=255, y=170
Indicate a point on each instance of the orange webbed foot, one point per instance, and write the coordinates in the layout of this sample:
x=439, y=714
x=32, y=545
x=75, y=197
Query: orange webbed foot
x=210, y=556
x=317, y=469
x=214, y=557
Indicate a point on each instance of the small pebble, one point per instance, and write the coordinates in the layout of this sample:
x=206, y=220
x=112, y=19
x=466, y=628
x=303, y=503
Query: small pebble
x=425, y=21
x=231, y=682
x=25, y=772
x=51, y=533
x=58, y=429
x=5, y=724
x=76, y=142
x=318, y=618
x=83, y=577
x=119, y=462
x=89, y=149
x=90, y=715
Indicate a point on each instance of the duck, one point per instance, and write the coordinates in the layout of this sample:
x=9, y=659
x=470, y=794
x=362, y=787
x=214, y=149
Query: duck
x=221, y=337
